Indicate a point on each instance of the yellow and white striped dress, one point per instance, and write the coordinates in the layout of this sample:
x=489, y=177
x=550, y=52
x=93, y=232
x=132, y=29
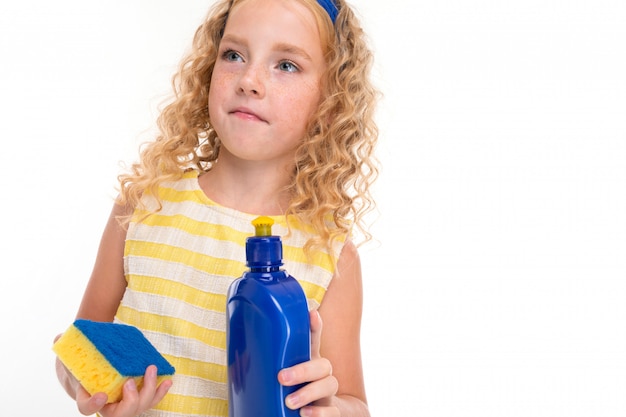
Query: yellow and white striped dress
x=179, y=263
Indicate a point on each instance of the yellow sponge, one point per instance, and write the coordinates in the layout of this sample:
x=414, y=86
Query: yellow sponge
x=102, y=356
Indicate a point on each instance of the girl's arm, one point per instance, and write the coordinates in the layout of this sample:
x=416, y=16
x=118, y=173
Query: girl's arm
x=101, y=299
x=335, y=369
x=104, y=290
x=107, y=283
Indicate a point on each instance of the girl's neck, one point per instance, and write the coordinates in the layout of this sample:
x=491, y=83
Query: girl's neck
x=251, y=188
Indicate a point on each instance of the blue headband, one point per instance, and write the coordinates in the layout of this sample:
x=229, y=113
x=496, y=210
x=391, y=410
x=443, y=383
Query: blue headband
x=330, y=8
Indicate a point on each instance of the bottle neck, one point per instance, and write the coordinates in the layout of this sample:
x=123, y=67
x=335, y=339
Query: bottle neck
x=272, y=268
x=263, y=252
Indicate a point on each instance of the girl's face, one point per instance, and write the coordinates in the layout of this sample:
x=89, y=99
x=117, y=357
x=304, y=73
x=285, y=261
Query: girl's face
x=266, y=81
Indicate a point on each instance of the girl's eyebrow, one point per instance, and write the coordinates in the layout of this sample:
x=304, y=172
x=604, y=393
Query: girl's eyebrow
x=232, y=39
x=279, y=47
x=292, y=49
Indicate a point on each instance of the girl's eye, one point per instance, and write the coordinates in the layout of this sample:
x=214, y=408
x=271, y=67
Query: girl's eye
x=231, y=55
x=288, y=66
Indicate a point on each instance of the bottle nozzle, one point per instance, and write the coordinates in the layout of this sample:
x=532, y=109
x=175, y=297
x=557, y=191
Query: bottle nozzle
x=263, y=226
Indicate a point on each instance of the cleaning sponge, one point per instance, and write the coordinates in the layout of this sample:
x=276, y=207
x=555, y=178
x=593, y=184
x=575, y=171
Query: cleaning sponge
x=102, y=356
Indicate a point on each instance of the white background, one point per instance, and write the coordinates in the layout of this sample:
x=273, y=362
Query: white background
x=497, y=283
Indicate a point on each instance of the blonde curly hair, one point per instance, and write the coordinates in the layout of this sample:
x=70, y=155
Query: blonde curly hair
x=335, y=164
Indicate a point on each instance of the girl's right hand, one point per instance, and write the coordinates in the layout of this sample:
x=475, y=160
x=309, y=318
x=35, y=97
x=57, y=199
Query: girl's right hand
x=133, y=402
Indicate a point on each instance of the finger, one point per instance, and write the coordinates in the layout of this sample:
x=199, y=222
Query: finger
x=319, y=392
x=146, y=395
x=136, y=401
x=305, y=372
x=316, y=333
x=318, y=411
x=161, y=391
x=89, y=404
x=128, y=406
x=151, y=393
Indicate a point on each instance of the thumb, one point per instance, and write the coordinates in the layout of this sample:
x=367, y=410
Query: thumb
x=89, y=404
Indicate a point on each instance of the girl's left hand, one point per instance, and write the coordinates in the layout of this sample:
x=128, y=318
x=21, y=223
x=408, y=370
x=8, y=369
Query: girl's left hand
x=321, y=385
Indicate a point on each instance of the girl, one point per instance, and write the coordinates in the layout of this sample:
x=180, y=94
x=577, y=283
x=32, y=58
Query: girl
x=272, y=115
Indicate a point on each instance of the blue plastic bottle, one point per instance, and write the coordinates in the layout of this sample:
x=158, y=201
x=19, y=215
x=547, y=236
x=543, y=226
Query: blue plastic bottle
x=267, y=329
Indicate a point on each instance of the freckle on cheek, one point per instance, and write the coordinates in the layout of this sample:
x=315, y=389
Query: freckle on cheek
x=219, y=84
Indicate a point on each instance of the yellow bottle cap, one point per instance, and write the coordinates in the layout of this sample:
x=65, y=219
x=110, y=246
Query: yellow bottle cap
x=263, y=226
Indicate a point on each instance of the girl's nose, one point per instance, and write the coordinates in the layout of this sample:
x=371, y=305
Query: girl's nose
x=252, y=81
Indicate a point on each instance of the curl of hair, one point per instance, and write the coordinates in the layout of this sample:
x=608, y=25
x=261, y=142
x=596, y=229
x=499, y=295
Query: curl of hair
x=186, y=138
x=335, y=164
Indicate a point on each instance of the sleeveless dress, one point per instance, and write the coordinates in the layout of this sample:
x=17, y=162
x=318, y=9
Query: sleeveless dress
x=178, y=264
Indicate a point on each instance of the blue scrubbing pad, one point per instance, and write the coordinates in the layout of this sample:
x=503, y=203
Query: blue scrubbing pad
x=102, y=356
